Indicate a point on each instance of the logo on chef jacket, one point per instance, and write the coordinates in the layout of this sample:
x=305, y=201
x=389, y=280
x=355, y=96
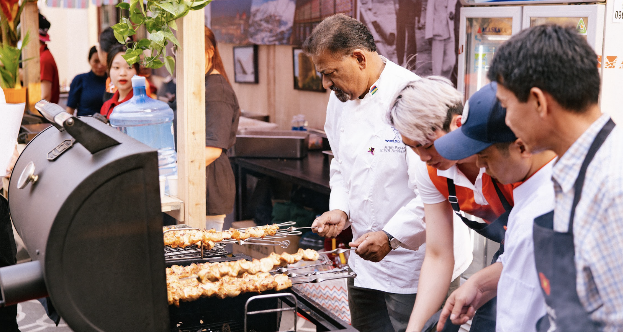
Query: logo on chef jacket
x=396, y=139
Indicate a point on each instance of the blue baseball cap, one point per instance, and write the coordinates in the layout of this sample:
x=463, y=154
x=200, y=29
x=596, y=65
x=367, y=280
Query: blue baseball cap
x=482, y=125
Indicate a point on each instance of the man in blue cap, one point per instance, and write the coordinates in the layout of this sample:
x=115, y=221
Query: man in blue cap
x=513, y=278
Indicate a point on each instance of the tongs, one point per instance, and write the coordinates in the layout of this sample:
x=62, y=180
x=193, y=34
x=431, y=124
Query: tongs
x=315, y=273
x=319, y=279
x=336, y=251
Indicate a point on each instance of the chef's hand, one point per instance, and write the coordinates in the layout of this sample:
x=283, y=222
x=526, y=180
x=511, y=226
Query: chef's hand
x=330, y=223
x=461, y=305
x=372, y=246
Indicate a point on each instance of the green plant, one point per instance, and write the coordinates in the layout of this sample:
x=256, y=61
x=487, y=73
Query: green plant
x=158, y=17
x=9, y=57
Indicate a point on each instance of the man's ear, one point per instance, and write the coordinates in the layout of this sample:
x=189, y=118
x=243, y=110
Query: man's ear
x=522, y=148
x=458, y=121
x=360, y=57
x=538, y=98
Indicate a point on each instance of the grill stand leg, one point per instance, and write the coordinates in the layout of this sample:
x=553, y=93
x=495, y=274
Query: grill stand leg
x=270, y=296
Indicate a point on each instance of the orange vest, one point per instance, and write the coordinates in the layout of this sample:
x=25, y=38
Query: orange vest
x=468, y=204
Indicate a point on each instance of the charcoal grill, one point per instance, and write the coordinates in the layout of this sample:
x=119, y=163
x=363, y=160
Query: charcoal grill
x=85, y=199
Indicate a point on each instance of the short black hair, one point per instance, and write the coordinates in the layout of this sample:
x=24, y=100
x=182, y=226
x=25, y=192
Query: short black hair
x=92, y=51
x=107, y=40
x=554, y=59
x=339, y=34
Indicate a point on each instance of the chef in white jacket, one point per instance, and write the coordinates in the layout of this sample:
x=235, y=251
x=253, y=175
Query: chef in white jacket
x=371, y=190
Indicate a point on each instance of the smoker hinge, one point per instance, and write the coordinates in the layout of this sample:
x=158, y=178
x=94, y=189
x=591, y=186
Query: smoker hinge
x=60, y=149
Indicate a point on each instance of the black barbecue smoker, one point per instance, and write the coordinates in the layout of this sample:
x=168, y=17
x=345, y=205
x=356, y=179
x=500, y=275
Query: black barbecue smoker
x=84, y=198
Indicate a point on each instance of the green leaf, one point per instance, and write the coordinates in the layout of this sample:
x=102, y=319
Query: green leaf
x=177, y=9
x=132, y=56
x=158, y=38
x=137, y=18
x=143, y=43
x=200, y=4
x=172, y=25
x=169, y=63
x=121, y=31
x=156, y=64
x=150, y=25
x=169, y=35
x=123, y=5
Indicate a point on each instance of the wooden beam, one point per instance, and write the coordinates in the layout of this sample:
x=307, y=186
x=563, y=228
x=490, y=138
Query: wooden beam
x=190, y=68
x=31, y=69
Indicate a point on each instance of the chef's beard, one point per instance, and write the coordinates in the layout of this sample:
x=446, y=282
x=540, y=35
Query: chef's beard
x=340, y=94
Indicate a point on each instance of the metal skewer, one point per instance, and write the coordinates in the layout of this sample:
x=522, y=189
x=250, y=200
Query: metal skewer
x=317, y=280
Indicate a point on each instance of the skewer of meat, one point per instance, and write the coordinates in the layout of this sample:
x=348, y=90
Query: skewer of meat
x=215, y=271
x=192, y=289
x=187, y=237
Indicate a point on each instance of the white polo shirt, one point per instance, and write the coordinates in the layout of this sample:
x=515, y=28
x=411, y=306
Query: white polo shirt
x=520, y=299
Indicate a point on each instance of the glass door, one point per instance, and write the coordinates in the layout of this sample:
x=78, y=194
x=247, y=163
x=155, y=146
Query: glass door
x=588, y=20
x=482, y=31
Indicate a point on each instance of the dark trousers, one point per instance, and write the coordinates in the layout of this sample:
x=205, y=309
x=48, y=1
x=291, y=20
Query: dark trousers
x=8, y=250
x=376, y=311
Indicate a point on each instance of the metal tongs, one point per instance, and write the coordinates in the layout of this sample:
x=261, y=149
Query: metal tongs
x=319, y=279
x=336, y=251
x=315, y=273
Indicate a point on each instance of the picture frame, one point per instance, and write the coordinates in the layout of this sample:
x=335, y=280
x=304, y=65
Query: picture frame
x=304, y=72
x=245, y=64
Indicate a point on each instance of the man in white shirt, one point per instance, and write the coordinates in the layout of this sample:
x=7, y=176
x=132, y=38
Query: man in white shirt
x=513, y=278
x=371, y=190
x=548, y=80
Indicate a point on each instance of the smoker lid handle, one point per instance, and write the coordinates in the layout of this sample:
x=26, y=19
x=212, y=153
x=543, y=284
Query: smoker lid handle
x=91, y=138
x=52, y=112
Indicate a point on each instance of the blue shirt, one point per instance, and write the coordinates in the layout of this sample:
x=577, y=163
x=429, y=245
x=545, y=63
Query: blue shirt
x=85, y=93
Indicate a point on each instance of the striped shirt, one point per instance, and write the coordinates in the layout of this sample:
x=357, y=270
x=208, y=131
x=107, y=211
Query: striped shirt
x=598, y=225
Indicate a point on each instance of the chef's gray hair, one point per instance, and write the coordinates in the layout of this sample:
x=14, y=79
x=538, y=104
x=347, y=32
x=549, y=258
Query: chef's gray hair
x=340, y=35
x=425, y=106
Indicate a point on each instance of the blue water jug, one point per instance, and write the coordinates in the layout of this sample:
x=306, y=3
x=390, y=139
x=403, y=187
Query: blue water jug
x=151, y=122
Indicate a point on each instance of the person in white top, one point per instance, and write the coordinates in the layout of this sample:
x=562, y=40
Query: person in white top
x=446, y=186
x=371, y=190
x=513, y=278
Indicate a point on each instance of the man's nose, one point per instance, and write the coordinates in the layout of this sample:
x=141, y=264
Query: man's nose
x=326, y=83
x=424, y=156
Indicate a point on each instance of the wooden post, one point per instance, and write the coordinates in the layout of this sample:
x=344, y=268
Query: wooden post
x=190, y=69
x=31, y=69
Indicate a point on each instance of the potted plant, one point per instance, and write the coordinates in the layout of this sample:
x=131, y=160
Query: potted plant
x=9, y=52
x=158, y=17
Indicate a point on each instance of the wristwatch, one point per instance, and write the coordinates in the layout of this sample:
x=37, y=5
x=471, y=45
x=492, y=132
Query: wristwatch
x=394, y=243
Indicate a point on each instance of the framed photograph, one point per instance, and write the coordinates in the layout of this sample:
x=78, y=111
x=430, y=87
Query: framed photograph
x=305, y=75
x=245, y=64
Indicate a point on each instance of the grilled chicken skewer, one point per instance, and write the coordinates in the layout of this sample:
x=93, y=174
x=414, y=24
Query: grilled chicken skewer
x=187, y=237
x=215, y=271
x=192, y=289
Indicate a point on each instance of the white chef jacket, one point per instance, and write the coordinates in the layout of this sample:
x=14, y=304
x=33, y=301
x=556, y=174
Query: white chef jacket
x=520, y=299
x=370, y=182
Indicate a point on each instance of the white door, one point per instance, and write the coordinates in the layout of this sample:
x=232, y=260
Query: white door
x=482, y=31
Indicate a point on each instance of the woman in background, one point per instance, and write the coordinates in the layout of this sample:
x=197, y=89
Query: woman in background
x=86, y=90
x=222, y=114
x=121, y=74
